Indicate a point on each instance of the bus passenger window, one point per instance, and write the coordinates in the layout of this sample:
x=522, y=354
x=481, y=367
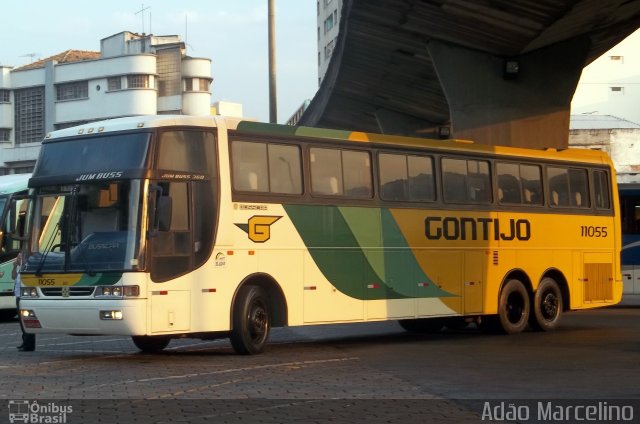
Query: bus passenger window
x=285, y=170
x=357, y=174
x=601, y=190
x=406, y=177
x=466, y=181
x=393, y=176
x=508, y=183
x=326, y=171
x=558, y=186
x=249, y=162
x=421, y=181
x=531, y=179
x=579, y=188
x=454, y=177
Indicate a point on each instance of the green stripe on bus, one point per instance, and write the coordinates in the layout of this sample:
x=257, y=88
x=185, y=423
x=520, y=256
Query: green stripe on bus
x=353, y=255
x=288, y=130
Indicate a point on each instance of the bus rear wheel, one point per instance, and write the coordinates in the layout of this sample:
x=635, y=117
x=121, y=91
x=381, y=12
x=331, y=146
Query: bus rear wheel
x=150, y=344
x=547, y=306
x=514, y=307
x=251, y=321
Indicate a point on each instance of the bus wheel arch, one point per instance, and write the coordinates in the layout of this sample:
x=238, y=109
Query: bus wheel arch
x=258, y=305
x=549, y=301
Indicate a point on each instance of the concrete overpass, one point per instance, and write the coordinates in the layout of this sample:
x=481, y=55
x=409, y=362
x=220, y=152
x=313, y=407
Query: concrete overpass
x=498, y=72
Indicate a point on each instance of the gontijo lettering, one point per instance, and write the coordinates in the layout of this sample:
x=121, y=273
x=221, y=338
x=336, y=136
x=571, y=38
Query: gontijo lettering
x=465, y=228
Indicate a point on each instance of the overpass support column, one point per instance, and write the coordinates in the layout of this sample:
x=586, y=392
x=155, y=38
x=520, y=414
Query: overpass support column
x=520, y=101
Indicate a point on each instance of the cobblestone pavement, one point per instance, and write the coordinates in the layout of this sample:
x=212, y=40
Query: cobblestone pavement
x=355, y=373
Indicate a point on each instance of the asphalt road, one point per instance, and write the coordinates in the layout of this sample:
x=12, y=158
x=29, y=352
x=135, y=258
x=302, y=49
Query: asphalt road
x=340, y=373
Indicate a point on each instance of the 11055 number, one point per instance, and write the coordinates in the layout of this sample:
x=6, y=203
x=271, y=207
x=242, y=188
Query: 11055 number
x=591, y=231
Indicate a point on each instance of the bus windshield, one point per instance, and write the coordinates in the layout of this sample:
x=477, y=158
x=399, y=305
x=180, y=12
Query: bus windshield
x=92, y=227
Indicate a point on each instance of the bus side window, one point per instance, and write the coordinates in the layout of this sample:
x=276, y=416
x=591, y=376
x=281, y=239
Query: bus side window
x=558, y=186
x=578, y=183
x=601, y=189
x=249, y=161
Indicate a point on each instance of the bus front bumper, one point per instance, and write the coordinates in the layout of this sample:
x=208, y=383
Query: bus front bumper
x=84, y=317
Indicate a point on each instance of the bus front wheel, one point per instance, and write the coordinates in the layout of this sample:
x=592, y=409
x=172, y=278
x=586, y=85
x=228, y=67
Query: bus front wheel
x=547, y=306
x=514, y=307
x=251, y=321
x=150, y=344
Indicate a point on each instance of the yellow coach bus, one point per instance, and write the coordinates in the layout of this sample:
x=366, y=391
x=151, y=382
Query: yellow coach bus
x=173, y=226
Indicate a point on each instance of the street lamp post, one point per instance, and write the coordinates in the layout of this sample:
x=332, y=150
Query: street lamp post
x=273, y=106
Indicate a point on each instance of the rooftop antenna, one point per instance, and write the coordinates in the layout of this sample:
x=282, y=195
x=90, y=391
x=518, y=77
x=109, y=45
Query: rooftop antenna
x=31, y=55
x=141, y=12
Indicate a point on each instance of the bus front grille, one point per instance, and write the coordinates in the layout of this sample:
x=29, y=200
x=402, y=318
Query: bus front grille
x=67, y=291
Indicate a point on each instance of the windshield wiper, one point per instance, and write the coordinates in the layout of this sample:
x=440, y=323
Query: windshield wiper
x=48, y=247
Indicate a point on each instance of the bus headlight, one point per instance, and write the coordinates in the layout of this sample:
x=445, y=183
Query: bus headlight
x=117, y=291
x=29, y=292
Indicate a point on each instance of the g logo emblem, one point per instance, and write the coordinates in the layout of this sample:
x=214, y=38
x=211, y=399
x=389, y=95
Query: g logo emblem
x=259, y=228
x=65, y=292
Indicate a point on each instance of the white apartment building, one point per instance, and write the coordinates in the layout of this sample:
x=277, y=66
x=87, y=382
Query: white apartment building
x=618, y=137
x=610, y=85
x=132, y=74
x=328, y=19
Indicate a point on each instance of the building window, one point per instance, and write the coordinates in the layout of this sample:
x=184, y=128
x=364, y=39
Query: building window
x=204, y=84
x=138, y=81
x=5, y=133
x=328, y=24
x=114, y=83
x=72, y=90
x=29, y=115
x=169, y=77
x=328, y=50
x=5, y=96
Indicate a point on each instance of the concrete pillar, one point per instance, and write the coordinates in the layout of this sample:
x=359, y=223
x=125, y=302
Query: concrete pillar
x=49, y=96
x=528, y=107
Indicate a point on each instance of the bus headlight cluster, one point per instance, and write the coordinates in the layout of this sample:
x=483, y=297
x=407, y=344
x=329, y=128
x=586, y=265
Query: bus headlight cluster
x=117, y=291
x=29, y=292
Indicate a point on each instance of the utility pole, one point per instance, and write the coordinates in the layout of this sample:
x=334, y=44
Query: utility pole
x=273, y=104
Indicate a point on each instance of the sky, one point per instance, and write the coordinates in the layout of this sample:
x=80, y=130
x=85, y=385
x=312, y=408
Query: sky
x=232, y=33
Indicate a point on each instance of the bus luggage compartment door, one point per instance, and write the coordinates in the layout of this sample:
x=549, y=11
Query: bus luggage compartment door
x=598, y=277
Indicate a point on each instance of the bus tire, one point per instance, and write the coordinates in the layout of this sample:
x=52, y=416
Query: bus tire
x=422, y=325
x=251, y=321
x=514, y=307
x=546, y=306
x=150, y=344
